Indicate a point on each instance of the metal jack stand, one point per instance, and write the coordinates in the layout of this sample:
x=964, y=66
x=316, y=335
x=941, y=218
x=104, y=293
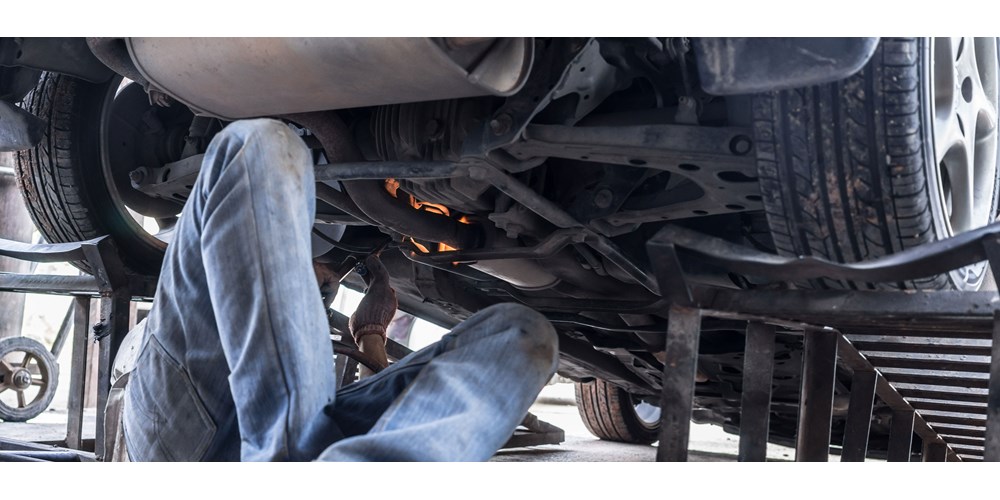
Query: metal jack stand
x=115, y=289
x=891, y=345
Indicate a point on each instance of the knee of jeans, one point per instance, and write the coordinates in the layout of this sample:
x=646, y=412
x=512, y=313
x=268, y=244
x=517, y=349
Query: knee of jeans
x=266, y=136
x=530, y=334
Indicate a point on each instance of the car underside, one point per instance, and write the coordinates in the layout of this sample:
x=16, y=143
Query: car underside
x=535, y=170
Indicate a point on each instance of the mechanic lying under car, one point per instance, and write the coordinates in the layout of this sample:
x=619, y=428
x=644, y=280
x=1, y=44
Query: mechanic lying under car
x=236, y=361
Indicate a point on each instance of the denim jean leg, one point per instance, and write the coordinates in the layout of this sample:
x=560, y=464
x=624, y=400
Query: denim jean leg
x=458, y=400
x=237, y=309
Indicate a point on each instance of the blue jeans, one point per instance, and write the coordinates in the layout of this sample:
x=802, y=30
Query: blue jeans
x=237, y=362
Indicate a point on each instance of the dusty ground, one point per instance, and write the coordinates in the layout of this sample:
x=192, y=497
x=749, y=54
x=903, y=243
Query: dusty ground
x=556, y=406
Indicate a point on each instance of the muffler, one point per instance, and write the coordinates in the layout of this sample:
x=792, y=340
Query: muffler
x=234, y=78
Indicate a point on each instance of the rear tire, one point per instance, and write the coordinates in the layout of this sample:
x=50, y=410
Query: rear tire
x=854, y=170
x=610, y=413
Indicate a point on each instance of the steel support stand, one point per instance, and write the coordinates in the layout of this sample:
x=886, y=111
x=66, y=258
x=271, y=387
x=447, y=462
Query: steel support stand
x=900, y=436
x=992, y=444
x=115, y=299
x=755, y=410
x=679, y=369
x=819, y=368
x=78, y=372
x=859, y=416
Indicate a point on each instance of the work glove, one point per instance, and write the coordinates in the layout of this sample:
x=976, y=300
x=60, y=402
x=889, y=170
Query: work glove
x=377, y=308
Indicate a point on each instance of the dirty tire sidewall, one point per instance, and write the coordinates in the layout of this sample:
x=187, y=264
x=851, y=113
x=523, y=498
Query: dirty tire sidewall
x=62, y=179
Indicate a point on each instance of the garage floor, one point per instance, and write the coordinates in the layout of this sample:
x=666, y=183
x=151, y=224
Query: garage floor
x=555, y=405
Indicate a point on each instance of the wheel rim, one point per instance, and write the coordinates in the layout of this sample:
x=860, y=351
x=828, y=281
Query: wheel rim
x=648, y=415
x=964, y=105
x=24, y=379
x=125, y=146
x=965, y=119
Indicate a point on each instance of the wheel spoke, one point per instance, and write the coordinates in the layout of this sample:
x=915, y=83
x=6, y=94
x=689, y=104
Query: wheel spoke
x=20, y=400
x=6, y=366
x=41, y=383
x=27, y=359
x=948, y=133
x=3, y=388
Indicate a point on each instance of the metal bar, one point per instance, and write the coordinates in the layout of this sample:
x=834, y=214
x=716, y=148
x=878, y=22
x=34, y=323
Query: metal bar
x=60, y=341
x=939, y=380
x=968, y=450
x=47, y=456
x=679, y=369
x=993, y=401
x=819, y=367
x=114, y=315
x=669, y=273
x=380, y=170
x=78, y=372
x=944, y=419
x=960, y=350
x=966, y=311
x=859, y=416
x=965, y=397
x=935, y=451
x=758, y=370
x=951, y=430
x=65, y=285
x=900, y=436
x=930, y=364
x=966, y=440
x=952, y=407
x=45, y=252
x=915, y=262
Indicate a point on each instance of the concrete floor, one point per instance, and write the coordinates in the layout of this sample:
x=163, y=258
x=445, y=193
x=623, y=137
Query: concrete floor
x=556, y=406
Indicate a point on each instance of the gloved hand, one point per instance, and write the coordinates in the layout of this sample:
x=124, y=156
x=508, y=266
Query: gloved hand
x=379, y=305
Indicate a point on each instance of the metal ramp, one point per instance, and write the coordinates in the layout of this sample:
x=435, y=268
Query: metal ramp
x=932, y=357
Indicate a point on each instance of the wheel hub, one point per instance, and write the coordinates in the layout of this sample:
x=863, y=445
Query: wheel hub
x=21, y=379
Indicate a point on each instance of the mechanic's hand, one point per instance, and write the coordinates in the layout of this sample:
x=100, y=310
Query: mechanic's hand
x=379, y=304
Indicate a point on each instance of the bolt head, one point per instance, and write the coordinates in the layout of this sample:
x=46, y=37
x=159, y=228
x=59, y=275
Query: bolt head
x=501, y=124
x=603, y=198
x=740, y=145
x=137, y=176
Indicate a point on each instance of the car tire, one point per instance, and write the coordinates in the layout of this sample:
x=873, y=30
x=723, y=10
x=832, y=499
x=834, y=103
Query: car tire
x=612, y=414
x=900, y=154
x=65, y=180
